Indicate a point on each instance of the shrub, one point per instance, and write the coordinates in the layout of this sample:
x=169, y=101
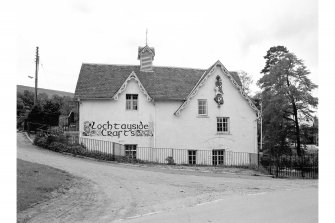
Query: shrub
x=77, y=149
x=41, y=141
x=59, y=138
x=170, y=160
x=58, y=147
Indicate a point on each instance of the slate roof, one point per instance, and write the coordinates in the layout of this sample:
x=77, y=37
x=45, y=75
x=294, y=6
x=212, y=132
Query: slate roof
x=165, y=83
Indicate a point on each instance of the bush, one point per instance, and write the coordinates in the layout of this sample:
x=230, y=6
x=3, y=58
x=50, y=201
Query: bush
x=58, y=138
x=170, y=160
x=58, y=147
x=56, y=141
x=41, y=141
x=99, y=155
x=77, y=149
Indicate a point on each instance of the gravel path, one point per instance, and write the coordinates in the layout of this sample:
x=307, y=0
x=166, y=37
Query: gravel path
x=112, y=191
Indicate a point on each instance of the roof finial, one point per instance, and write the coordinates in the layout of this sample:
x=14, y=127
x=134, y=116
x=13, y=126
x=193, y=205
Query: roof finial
x=146, y=37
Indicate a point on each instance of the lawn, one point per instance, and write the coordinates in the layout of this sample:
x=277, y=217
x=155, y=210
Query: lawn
x=35, y=182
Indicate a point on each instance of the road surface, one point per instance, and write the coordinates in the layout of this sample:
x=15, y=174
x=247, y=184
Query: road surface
x=290, y=206
x=111, y=192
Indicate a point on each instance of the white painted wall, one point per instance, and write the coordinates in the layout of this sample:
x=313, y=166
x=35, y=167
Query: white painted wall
x=193, y=132
x=114, y=111
x=188, y=131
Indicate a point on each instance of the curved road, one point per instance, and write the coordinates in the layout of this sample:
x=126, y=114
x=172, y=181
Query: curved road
x=107, y=192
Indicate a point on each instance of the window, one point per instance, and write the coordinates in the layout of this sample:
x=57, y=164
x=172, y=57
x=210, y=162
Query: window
x=192, y=157
x=202, y=107
x=218, y=157
x=130, y=151
x=222, y=124
x=131, y=102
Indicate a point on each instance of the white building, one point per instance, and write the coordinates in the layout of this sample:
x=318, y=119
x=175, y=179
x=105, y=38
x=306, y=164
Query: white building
x=166, y=107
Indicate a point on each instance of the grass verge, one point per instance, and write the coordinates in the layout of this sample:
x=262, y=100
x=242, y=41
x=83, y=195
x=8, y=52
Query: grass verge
x=36, y=182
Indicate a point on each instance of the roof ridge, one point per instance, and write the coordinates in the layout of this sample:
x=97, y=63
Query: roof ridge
x=110, y=64
x=190, y=68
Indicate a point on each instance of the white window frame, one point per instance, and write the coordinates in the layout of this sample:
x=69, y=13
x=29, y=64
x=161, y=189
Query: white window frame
x=131, y=102
x=203, y=107
x=225, y=122
x=193, y=157
x=130, y=150
x=218, y=156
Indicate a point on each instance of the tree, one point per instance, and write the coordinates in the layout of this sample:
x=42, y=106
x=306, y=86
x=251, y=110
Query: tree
x=246, y=80
x=66, y=105
x=277, y=130
x=27, y=97
x=273, y=55
x=42, y=99
x=309, y=132
x=286, y=81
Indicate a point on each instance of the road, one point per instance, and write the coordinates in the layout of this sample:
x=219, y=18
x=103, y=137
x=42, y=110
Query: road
x=290, y=206
x=112, y=192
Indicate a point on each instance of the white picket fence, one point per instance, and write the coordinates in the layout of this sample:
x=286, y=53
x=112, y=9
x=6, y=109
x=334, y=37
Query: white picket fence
x=159, y=155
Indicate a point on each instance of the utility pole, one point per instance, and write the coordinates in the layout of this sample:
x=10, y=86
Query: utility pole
x=261, y=146
x=36, y=75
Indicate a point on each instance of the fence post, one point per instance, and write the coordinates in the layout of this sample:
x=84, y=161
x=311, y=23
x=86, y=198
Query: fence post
x=113, y=148
x=302, y=166
x=172, y=154
x=258, y=160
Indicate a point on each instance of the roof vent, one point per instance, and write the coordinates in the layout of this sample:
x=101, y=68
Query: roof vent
x=146, y=56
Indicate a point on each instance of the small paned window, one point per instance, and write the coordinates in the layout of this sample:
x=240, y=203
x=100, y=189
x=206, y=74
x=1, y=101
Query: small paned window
x=202, y=107
x=130, y=151
x=218, y=157
x=192, y=157
x=222, y=124
x=131, y=102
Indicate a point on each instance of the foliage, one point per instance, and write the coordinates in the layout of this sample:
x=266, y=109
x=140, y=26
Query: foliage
x=27, y=98
x=48, y=109
x=273, y=56
x=309, y=134
x=170, y=160
x=58, y=147
x=246, y=80
x=41, y=141
x=286, y=96
x=59, y=143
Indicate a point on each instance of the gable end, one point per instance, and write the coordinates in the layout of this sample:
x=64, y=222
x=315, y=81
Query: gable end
x=123, y=87
x=204, y=78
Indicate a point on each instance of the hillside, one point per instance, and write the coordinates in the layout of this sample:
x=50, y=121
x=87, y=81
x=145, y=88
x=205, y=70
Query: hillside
x=49, y=92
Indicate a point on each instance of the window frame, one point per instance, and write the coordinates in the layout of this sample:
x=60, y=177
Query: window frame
x=130, y=150
x=193, y=160
x=217, y=158
x=131, y=102
x=223, y=124
x=205, y=107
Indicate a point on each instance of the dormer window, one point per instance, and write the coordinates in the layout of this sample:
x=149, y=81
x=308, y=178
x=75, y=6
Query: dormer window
x=131, y=101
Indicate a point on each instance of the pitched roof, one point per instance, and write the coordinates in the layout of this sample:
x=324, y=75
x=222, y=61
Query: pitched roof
x=165, y=83
x=150, y=49
x=234, y=78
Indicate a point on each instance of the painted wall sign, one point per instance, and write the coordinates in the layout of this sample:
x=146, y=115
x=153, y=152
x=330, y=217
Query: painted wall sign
x=116, y=129
x=218, y=91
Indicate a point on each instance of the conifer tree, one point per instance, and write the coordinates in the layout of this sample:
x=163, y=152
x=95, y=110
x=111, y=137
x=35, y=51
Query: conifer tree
x=286, y=80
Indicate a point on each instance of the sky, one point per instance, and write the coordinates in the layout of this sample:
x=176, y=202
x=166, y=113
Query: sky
x=184, y=33
x=192, y=34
